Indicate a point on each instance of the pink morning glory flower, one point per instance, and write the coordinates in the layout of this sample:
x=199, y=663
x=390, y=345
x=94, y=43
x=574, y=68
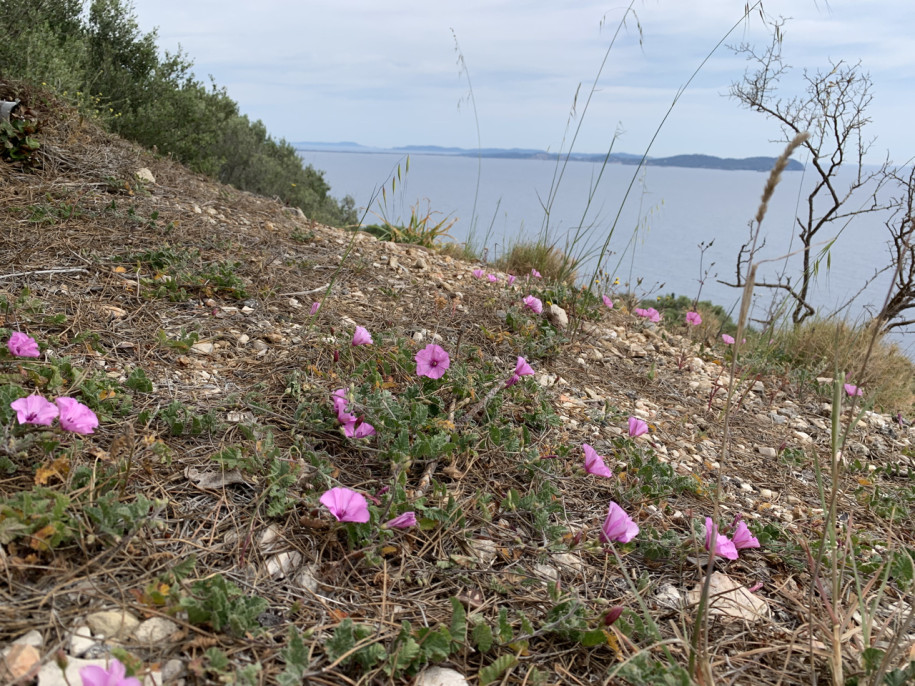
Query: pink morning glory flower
x=404, y=521
x=432, y=361
x=607, y=301
x=492, y=277
x=651, y=314
x=93, y=675
x=340, y=403
x=532, y=303
x=21, y=345
x=618, y=526
x=346, y=505
x=851, y=389
x=693, y=318
x=536, y=274
x=594, y=463
x=510, y=279
x=522, y=368
x=314, y=308
x=76, y=417
x=358, y=429
x=637, y=427
x=35, y=410
x=729, y=340
x=744, y=538
x=724, y=546
x=478, y=273
x=362, y=336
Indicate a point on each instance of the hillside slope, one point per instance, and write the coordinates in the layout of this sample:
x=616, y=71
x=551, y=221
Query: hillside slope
x=179, y=310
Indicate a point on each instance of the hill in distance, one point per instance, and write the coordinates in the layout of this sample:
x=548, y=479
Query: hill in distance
x=695, y=161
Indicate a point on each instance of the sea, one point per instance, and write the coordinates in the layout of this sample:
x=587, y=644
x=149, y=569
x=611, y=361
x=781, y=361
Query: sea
x=659, y=230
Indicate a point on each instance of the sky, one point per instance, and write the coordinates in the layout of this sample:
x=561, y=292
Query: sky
x=387, y=74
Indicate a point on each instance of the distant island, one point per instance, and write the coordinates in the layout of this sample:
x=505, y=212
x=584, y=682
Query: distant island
x=763, y=164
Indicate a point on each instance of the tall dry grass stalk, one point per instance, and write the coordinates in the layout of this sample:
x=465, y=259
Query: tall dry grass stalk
x=699, y=646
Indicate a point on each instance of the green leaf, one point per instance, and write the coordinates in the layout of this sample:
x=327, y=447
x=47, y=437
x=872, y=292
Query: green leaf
x=341, y=642
x=435, y=644
x=505, y=629
x=592, y=638
x=498, y=667
x=458, y=620
x=296, y=657
x=482, y=637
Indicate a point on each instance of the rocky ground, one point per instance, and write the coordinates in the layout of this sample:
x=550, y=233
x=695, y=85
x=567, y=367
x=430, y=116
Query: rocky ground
x=117, y=261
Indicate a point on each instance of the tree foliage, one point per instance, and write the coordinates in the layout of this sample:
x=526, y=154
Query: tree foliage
x=94, y=52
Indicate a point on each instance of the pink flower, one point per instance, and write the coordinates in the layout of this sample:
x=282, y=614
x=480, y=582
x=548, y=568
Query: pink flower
x=522, y=368
x=532, y=303
x=314, y=308
x=853, y=390
x=637, y=427
x=34, y=410
x=93, y=675
x=724, y=546
x=693, y=318
x=594, y=463
x=358, y=429
x=340, y=403
x=346, y=505
x=607, y=301
x=76, y=417
x=618, y=526
x=744, y=538
x=651, y=314
x=21, y=345
x=478, y=273
x=536, y=274
x=404, y=521
x=432, y=361
x=362, y=336
x=729, y=340
x=492, y=277
x=510, y=279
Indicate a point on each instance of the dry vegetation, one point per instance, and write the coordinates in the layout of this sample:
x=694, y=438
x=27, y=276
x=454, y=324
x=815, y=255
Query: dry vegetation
x=179, y=311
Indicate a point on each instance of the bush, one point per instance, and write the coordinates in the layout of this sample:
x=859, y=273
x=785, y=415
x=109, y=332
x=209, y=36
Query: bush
x=824, y=346
x=552, y=264
x=111, y=70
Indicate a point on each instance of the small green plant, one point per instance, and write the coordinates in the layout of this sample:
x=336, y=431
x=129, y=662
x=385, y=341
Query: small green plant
x=18, y=143
x=221, y=604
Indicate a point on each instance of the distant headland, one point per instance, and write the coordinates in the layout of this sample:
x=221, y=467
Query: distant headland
x=763, y=164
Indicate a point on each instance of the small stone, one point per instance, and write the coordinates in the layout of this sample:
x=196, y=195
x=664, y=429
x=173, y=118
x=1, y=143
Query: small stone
x=546, y=572
x=306, y=579
x=766, y=493
x=259, y=345
x=758, y=387
x=767, y=451
x=730, y=600
x=172, y=670
x=282, y=565
x=112, y=624
x=203, y=348
x=18, y=662
x=669, y=596
x=143, y=174
x=440, y=676
x=82, y=641
x=803, y=437
x=32, y=638
x=557, y=316
x=155, y=630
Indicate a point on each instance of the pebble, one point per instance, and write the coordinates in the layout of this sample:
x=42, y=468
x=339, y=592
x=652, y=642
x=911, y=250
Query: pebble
x=440, y=676
x=155, y=630
x=112, y=624
x=767, y=451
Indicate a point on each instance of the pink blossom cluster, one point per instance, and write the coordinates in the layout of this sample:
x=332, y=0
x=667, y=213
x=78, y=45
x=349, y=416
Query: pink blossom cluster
x=74, y=416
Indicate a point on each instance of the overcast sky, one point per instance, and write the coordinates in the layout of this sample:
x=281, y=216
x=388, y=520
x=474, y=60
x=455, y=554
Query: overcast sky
x=385, y=73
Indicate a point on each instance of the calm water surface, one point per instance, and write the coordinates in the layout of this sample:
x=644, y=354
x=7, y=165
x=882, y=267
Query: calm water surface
x=668, y=213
